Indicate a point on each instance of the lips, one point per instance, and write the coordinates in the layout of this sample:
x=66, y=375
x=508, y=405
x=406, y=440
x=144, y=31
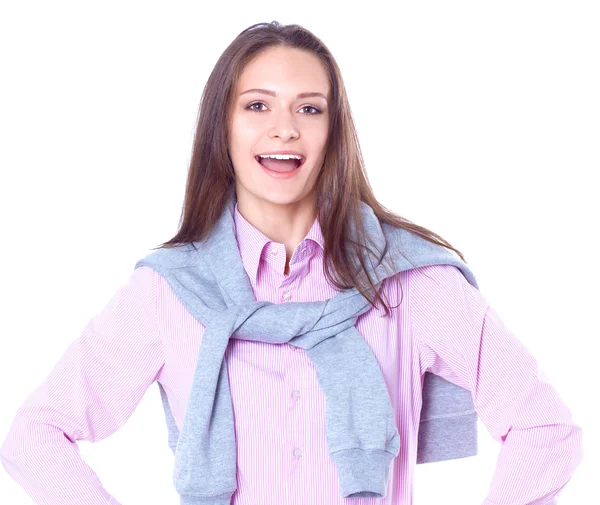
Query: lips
x=280, y=165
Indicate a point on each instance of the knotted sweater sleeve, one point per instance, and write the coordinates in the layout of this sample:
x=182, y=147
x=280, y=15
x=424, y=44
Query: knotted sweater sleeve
x=462, y=339
x=90, y=393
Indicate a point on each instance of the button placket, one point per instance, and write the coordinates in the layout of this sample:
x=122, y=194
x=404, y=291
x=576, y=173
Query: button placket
x=296, y=419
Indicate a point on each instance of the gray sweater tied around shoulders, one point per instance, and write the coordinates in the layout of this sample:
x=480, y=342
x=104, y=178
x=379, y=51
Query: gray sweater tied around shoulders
x=209, y=279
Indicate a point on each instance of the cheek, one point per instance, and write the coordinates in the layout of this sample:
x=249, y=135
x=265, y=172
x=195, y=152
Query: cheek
x=239, y=125
x=248, y=123
x=318, y=138
x=245, y=137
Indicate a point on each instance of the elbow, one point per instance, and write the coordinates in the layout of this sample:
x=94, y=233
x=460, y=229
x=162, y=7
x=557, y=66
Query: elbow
x=565, y=441
x=576, y=439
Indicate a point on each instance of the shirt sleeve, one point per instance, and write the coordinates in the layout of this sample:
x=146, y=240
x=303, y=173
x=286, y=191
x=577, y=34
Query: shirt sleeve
x=90, y=393
x=462, y=339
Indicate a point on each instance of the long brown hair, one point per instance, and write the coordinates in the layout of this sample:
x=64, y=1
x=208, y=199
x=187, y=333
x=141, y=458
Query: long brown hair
x=211, y=174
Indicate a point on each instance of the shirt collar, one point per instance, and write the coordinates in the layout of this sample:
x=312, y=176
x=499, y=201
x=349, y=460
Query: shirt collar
x=251, y=242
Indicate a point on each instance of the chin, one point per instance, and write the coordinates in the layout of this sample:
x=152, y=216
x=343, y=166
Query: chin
x=279, y=199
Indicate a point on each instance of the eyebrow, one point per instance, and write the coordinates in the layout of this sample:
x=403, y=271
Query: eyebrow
x=273, y=93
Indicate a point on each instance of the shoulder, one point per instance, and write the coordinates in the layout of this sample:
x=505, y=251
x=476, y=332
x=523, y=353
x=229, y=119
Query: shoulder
x=143, y=277
x=138, y=291
x=440, y=296
x=437, y=279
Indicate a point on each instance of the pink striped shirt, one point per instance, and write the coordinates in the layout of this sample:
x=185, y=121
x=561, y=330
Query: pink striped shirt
x=144, y=334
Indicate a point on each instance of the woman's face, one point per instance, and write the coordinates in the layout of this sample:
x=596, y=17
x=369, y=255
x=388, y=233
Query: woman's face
x=262, y=123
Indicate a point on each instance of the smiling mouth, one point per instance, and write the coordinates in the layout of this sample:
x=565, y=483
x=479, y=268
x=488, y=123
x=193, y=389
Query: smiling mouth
x=281, y=166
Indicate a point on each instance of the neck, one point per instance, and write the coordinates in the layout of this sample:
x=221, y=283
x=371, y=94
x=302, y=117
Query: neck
x=286, y=224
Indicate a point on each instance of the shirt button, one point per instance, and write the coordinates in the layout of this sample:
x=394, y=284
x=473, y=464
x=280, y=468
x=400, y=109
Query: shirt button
x=274, y=249
x=287, y=295
x=296, y=394
x=298, y=453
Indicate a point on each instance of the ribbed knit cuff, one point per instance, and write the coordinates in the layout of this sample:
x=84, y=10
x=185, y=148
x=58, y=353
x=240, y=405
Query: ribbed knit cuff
x=363, y=473
x=443, y=438
x=222, y=499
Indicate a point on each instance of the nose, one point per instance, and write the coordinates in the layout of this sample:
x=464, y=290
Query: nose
x=284, y=125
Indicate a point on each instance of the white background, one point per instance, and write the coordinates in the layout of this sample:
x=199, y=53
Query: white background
x=478, y=120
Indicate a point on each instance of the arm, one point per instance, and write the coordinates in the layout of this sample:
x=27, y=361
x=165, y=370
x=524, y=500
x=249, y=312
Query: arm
x=462, y=339
x=89, y=394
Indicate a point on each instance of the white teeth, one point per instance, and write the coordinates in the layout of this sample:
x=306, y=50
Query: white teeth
x=281, y=156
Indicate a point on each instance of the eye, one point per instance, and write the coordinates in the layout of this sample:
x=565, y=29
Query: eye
x=253, y=104
x=311, y=107
x=317, y=111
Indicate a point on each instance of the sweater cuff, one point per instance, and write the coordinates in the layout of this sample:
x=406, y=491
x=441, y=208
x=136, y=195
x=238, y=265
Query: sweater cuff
x=363, y=473
x=447, y=437
x=222, y=499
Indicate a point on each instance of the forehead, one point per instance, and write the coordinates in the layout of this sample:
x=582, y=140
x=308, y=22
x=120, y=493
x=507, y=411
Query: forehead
x=285, y=70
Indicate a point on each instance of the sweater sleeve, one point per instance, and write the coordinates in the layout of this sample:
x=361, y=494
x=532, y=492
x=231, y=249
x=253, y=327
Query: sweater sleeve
x=462, y=339
x=89, y=394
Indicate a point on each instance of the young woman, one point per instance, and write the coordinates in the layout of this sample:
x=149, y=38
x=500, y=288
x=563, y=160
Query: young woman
x=277, y=92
